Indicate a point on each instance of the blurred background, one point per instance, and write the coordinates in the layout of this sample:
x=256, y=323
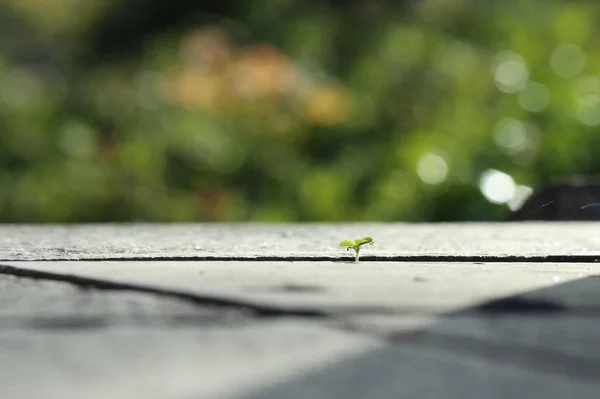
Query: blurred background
x=292, y=110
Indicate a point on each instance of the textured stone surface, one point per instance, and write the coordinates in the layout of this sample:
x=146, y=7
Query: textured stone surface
x=271, y=326
x=163, y=363
x=22, y=242
x=154, y=346
x=59, y=341
x=411, y=370
x=399, y=287
x=27, y=304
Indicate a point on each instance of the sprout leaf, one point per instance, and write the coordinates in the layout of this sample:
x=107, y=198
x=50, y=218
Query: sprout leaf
x=363, y=241
x=356, y=244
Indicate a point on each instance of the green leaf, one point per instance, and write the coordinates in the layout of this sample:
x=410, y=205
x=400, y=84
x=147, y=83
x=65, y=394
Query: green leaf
x=347, y=243
x=363, y=241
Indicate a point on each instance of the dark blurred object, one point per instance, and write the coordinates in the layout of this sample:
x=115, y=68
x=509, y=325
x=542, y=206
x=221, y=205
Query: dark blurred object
x=128, y=25
x=576, y=199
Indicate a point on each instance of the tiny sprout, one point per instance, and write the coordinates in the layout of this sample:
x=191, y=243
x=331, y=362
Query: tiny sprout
x=356, y=244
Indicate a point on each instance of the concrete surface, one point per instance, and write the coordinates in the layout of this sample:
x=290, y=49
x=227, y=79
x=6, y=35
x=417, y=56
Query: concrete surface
x=575, y=240
x=333, y=286
x=280, y=327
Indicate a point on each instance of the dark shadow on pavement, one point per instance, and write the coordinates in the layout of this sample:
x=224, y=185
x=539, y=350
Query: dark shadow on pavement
x=539, y=344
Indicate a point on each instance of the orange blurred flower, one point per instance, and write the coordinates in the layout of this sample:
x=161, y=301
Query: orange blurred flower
x=194, y=89
x=207, y=47
x=327, y=105
x=262, y=71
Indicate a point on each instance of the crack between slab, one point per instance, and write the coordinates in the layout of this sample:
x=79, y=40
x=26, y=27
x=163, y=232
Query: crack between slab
x=372, y=258
x=423, y=336
x=518, y=355
x=252, y=307
x=327, y=313
x=339, y=313
x=266, y=310
x=258, y=310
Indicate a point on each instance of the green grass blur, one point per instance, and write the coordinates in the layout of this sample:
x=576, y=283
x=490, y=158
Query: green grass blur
x=440, y=110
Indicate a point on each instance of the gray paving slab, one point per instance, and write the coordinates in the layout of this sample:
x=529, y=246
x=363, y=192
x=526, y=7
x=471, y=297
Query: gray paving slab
x=471, y=351
x=260, y=311
x=60, y=341
x=318, y=241
x=400, y=287
x=158, y=362
x=409, y=370
x=27, y=304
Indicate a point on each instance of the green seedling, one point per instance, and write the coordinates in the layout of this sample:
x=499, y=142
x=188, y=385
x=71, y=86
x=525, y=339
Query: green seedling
x=356, y=244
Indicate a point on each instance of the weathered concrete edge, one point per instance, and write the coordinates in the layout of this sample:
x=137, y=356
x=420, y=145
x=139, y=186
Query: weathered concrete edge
x=295, y=258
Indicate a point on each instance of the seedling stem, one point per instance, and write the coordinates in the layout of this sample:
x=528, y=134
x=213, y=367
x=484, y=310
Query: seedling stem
x=356, y=244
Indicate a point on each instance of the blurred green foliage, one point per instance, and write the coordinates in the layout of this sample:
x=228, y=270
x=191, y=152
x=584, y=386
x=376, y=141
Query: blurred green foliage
x=437, y=110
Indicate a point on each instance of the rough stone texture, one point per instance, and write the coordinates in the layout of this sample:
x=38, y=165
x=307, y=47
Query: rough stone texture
x=27, y=304
x=278, y=327
x=59, y=341
x=409, y=370
x=397, y=287
x=320, y=241
x=160, y=363
x=476, y=351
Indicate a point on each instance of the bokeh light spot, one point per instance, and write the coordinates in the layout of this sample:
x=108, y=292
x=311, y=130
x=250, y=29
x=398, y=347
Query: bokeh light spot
x=510, y=135
x=588, y=110
x=458, y=59
x=586, y=85
x=496, y=186
x=432, y=169
x=568, y=61
x=535, y=97
x=521, y=194
x=510, y=73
